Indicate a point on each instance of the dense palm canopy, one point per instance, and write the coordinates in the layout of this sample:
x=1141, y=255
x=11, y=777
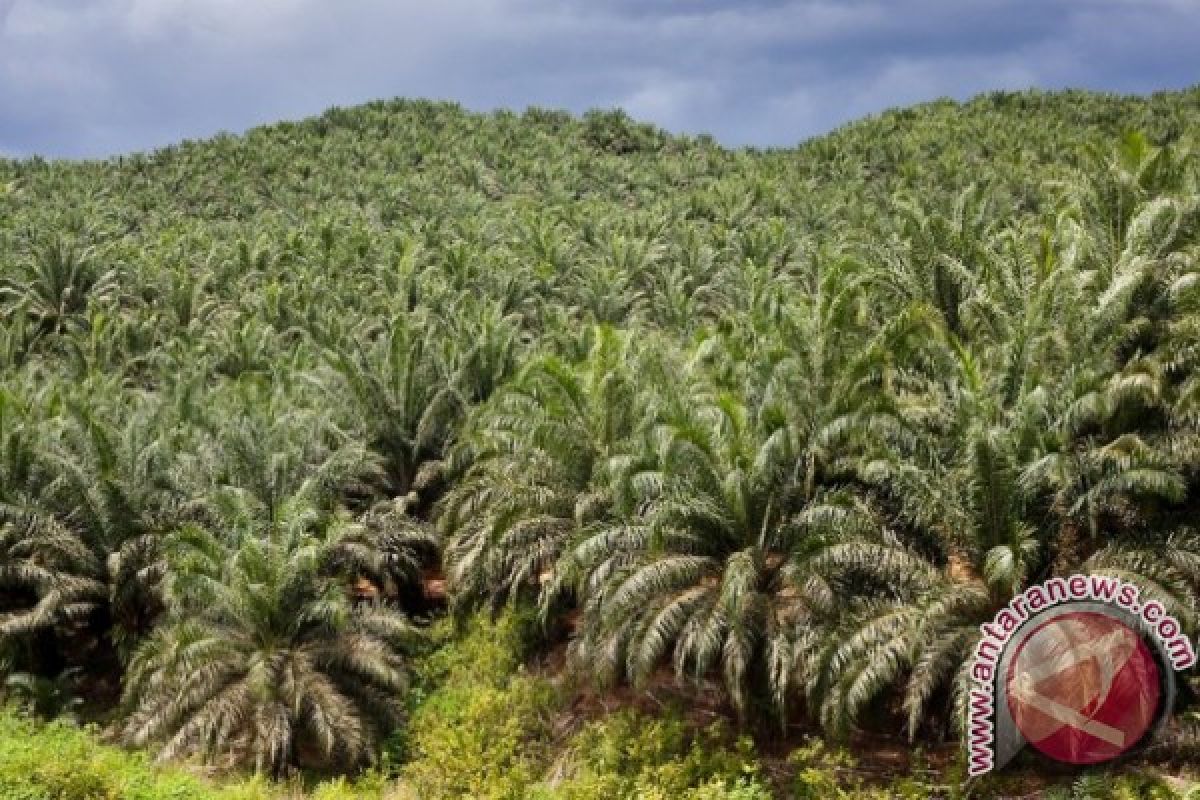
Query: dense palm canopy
x=83, y=521
x=792, y=423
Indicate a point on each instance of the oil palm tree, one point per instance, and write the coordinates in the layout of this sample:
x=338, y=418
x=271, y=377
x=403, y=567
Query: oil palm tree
x=1029, y=473
x=264, y=659
x=265, y=449
x=82, y=522
x=413, y=386
x=715, y=567
x=404, y=393
x=56, y=284
x=539, y=453
x=705, y=573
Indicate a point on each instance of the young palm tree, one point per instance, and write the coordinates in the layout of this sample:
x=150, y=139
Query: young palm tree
x=265, y=450
x=1118, y=183
x=81, y=527
x=56, y=284
x=706, y=571
x=540, y=453
x=940, y=255
x=264, y=659
x=405, y=397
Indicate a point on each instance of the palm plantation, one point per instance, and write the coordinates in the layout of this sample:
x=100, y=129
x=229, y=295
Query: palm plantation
x=784, y=425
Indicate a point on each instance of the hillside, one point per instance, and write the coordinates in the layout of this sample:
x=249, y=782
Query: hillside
x=788, y=424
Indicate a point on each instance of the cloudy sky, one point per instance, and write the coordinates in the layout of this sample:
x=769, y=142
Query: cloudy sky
x=99, y=77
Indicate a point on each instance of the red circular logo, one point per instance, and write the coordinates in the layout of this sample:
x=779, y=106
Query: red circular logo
x=1083, y=688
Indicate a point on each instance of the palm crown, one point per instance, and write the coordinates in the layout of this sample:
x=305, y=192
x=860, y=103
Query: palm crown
x=263, y=657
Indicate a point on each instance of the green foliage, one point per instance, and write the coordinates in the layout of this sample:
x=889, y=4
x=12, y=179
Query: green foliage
x=263, y=660
x=629, y=755
x=61, y=762
x=42, y=697
x=820, y=771
x=478, y=741
x=791, y=423
x=480, y=649
x=481, y=726
x=616, y=133
x=1107, y=786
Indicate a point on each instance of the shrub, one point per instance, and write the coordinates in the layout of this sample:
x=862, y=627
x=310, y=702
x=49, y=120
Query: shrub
x=629, y=755
x=59, y=761
x=480, y=725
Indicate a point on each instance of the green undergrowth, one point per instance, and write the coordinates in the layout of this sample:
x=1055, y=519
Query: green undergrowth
x=480, y=723
x=630, y=755
x=59, y=761
x=483, y=726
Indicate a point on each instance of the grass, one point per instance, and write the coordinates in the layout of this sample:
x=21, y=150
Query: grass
x=484, y=727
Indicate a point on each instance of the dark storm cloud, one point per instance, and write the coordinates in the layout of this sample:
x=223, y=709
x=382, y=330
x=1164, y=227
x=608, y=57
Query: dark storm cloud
x=94, y=77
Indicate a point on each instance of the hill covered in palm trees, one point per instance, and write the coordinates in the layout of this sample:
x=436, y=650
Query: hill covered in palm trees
x=787, y=425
